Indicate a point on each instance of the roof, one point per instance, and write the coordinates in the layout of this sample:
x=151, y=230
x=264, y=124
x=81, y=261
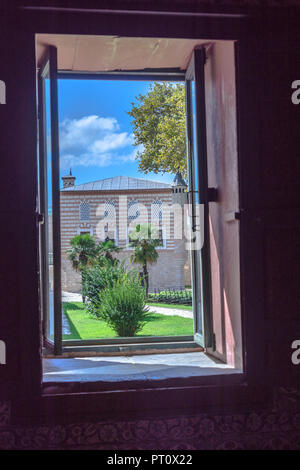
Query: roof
x=118, y=183
x=178, y=180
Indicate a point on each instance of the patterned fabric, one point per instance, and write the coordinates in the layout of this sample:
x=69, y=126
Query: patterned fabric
x=277, y=428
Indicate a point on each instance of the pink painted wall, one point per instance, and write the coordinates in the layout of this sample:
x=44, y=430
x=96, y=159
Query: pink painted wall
x=223, y=174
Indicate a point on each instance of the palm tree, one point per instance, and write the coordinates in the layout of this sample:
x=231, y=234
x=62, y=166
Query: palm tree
x=144, y=250
x=82, y=252
x=107, y=249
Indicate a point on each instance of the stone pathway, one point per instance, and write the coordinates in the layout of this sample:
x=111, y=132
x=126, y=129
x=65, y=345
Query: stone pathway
x=71, y=297
x=171, y=311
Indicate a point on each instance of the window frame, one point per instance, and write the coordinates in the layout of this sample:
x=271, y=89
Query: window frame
x=48, y=70
x=84, y=231
x=229, y=394
x=194, y=72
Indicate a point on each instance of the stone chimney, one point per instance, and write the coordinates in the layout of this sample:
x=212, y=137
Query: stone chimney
x=68, y=180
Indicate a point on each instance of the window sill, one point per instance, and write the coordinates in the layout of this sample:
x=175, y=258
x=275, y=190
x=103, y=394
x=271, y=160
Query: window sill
x=154, y=392
x=126, y=368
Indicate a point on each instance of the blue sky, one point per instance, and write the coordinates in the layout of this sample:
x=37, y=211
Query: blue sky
x=96, y=138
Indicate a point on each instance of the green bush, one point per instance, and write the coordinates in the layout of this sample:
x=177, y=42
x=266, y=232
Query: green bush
x=98, y=277
x=181, y=297
x=123, y=306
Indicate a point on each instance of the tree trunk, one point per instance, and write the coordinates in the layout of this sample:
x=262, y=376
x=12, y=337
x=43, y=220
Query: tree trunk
x=146, y=279
x=83, y=297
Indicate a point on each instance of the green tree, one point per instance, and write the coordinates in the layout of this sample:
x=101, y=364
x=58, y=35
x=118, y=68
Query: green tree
x=159, y=128
x=123, y=306
x=144, y=244
x=82, y=253
x=107, y=249
x=98, y=277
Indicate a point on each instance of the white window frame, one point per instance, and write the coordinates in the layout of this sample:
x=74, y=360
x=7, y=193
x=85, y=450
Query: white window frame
x=80, y=230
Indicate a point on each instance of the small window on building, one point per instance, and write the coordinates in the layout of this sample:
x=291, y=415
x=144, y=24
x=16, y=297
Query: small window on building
x=161, y=238
x=84, y=211
x=133, y=210
x=111, y=236
x=110, y=229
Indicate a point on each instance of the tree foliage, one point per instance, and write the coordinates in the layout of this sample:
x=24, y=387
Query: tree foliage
x=83, y=250
x=86, y=252
x=159, y=128
x=144, y=244
x=108, y=249
x=123, y=306
x=98, y=277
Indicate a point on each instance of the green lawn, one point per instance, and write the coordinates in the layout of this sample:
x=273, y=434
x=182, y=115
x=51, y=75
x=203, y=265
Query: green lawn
x=83, y=326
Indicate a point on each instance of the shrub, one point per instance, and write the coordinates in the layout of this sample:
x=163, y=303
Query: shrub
x=183, y=297
x=123, y=306
x=98, y=277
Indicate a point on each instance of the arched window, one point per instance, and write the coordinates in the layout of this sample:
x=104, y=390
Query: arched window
x=133, y=210
x=156, y=210
x=110, y=210
x=84, y=211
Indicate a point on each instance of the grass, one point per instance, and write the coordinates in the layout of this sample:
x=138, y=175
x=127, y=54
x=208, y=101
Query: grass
x=83, y=326
x=177, y=306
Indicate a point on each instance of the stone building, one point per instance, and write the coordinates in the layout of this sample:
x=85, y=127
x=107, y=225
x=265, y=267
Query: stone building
x=96, y=208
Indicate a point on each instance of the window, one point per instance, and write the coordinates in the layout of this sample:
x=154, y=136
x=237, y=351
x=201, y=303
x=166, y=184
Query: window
x=209, y=328
x=161, y=238
x=110, y=231
x=111, y=235
x=84, y=231
x=84, y=211
x=133, y=210
x=156, y=219
x=156, y=210
x=183, y=393
x=110, y=210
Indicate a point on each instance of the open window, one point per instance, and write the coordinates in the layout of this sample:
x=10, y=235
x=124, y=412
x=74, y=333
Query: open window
x=199, y=198
x=207, y=197
x=49, y=203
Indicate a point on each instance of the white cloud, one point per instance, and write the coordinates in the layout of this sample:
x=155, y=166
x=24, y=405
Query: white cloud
x=112, y=142
x=85, y=159
x=81, y=132
x=92, y=141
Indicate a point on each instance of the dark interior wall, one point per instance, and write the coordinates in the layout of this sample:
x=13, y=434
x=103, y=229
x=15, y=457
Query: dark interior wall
x=269, y=167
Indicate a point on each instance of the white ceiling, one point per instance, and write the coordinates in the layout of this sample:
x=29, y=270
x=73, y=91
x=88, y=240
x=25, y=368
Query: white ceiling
x=107, y=53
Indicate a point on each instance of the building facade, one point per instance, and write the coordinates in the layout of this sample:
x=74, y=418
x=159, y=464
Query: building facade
x=100, y=207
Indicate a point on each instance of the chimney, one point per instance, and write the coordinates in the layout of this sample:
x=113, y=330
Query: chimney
x=68, y=180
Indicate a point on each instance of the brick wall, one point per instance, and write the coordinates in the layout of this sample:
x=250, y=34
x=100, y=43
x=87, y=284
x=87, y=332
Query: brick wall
x=170, y=271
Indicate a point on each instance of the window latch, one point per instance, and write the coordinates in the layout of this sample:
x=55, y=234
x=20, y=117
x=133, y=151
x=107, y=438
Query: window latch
x=212, y=194
x=40, y=218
